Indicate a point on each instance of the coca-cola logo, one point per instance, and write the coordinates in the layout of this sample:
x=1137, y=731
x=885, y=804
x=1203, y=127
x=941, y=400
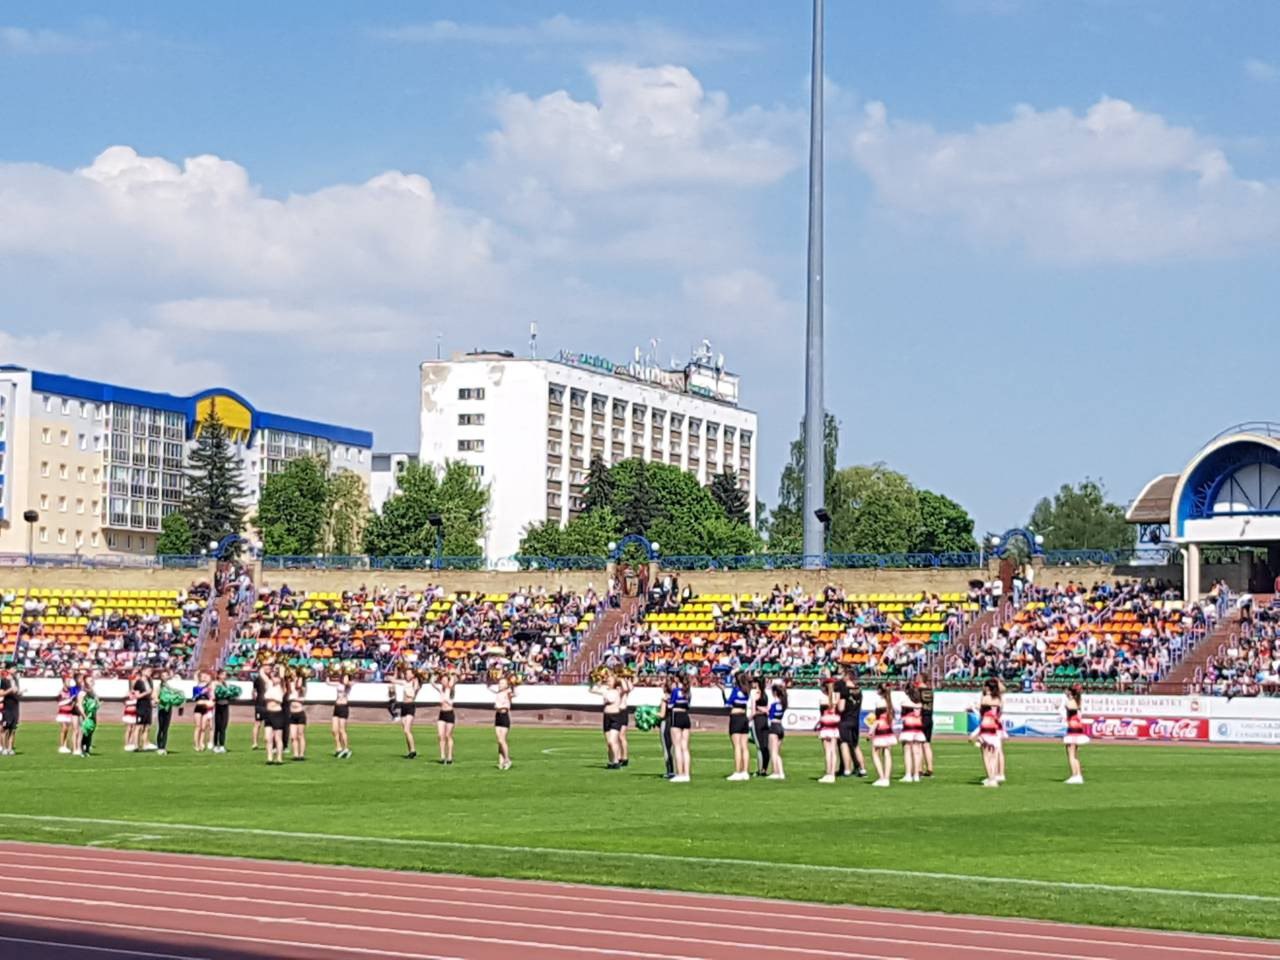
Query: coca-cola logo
x=1175, y=729
x=1118, y=728
x=1143, y=728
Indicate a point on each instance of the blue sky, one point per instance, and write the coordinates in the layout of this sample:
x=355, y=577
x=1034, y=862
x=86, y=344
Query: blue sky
x=1052, y=228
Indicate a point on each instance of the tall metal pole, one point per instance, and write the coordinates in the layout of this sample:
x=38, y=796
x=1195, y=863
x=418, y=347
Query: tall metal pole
x=814, y=409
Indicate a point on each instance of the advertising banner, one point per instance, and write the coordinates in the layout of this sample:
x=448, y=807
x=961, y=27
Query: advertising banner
x=1147, y=728
x=1245, y=731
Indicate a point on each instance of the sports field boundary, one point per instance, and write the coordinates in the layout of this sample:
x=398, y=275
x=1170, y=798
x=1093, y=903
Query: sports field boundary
x=642, y=856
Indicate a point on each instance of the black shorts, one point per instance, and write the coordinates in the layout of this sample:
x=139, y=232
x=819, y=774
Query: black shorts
x=775, y=729
x=408, y=709
x=275, y=719
x=613, y=721
x=144, y=713
x=9, y=720
x=502, y=718
x=259, y=712
x=200, y=710
x=849, y=733
x=680, y=720
x=341, y=711
x=926, y=723
x=738, y=723
x=622, y=720
x=297, y=719
x=447, y=716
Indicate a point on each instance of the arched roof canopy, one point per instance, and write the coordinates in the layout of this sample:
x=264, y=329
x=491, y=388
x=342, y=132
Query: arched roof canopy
x=1230, y=491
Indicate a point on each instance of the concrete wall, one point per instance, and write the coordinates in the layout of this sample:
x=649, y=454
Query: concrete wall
x=13, y=579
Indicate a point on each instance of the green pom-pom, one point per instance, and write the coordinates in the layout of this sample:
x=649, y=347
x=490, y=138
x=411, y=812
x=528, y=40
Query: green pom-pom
x=646, y=717
x=170, y=698
x=226, y=691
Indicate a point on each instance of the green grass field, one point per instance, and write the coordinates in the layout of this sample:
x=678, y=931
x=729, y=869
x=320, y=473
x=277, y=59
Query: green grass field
x=1168, y=837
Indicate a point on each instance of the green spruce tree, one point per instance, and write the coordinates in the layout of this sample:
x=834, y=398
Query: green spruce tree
x=214, y=501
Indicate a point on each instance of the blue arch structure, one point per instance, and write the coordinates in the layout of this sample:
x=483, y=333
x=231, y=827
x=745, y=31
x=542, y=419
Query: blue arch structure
x=1226, y=465
x=1009, y=536
x=226, y=543
x=628, y=540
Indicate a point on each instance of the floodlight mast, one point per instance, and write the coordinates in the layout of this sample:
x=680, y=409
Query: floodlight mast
x=815, y=554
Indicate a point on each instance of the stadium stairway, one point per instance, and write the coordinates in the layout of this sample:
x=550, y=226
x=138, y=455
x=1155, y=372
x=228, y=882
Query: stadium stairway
x=1198, y=656
x=603, y=630
x=972, y=631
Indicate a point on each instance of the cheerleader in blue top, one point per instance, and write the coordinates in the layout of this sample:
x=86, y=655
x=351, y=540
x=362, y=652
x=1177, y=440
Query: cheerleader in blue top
x=735, y=698
x=777, y=710
x=678, y=710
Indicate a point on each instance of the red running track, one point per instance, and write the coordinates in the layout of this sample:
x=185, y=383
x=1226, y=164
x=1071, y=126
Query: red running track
x=74, y=903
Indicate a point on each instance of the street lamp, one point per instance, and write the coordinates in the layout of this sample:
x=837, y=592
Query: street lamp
x=31, y=517
x=824, y=518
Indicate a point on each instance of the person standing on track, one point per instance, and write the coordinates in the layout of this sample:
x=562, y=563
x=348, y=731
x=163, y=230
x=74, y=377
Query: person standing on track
x=341, y=713
x=274, y=719
x=882, y=737
x=735, y=698
x=10, y=698
x=678, y=702
x=142, y=688
x=829, y=729
x=850, y=706
x=758, y=711
x=445, y=682
x=221, y=711
x=608, y=689
x=503, y=693
x=777, y=710
x=1076, y=736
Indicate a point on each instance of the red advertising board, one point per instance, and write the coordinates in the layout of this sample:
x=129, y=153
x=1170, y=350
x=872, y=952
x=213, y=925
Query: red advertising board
x=1147, y=728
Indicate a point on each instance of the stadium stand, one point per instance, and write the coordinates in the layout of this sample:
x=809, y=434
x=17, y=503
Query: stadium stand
x=49, y=631
x=1121, y=635
x=530, y=631
x=1248, y=664
x=790, y=633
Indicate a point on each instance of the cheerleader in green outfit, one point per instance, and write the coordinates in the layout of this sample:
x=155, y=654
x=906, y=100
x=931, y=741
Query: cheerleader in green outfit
x=88, y=706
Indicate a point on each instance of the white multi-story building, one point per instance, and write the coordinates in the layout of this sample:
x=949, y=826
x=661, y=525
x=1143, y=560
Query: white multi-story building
x=387, y=467
x=102, y=465
x=531, y=428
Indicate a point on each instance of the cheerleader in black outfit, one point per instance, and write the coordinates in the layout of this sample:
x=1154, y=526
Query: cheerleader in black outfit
x=297, y=691
x=444, y=684
x=259, y=703
x=664, y=727
x=625, y=687
x=678, y=701
x=221, y=712
x=341, y=713
x=777, y=710
x=735, y=699
x=1076, y=736
x=274, y=697
x=503, y=692
x=609, y=690
x=758, y=711
x=405, y=687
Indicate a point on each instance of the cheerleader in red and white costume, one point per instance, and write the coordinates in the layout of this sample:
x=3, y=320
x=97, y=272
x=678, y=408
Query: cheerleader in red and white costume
x=829, y=729
x=912, y=737
x=882, y=736
x=130, y=718
x=68, y=722
x=990, y=733
x=1076, y=736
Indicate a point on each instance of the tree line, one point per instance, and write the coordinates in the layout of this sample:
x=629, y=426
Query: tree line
x=307, y=510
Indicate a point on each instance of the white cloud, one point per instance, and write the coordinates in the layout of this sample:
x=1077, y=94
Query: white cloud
x=34, y=42
x=643, y=39
x=1261, y=71
x=650, y=125
x=1114, y=183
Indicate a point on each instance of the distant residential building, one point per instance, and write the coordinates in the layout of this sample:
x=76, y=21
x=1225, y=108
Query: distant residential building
x=382, y=482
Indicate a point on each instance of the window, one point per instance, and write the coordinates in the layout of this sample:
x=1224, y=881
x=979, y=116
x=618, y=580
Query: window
x=80, y=474
x=471, y=445
x=83, y=441
x=555, y=393
x=44, y=501
x=62, y=471
x=65, y=406
x=62, y=535
x=84, y=410
x=471, y=419
x=64, y=437
x=45, y=436
x=79, y=504
x=471, y=393
x=93, y=539
x=111, y=541
x=97, y=475
x=48, y=403
x=44, y=534
x=477, y=470
x=44, y=468
x=93, y=508
x=79, y=539
x=62, y=504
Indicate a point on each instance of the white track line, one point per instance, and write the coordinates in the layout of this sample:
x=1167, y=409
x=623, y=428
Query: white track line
x=440, y=935
x=652, y=858
x=734, y=929
x=65, y=945
x=754, y=917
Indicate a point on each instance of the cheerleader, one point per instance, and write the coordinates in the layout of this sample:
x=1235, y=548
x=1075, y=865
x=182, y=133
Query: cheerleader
x=164, y=713
x=341, y=713
x=444, y=684
x=297, y=693
x=882, y=737
x=735, y=698
x=664, y=727
x=10, y=698
x=273, y=716
x=87, y=704
x=758, y=711
x=777, y=710
x=625, y=687
x=678, y=700
x=404, y=688
x=502, y=695
x=130, y=717
x=142, y=691
x=203, y=699
x=912, y=738
x=221, y=711
x=829, y=729
x=68, y=722
x=609, y=689
x=850, y=692
x=990, y=735
x=924, y=687
x=259, y=703
x=1076, y=736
